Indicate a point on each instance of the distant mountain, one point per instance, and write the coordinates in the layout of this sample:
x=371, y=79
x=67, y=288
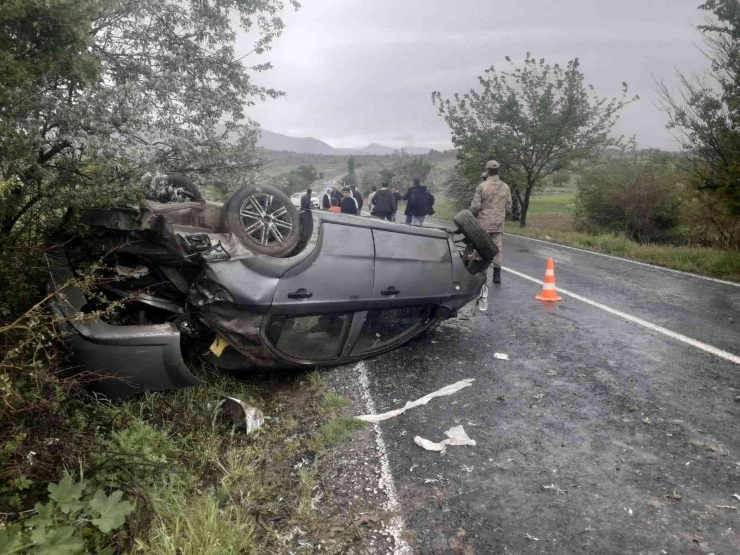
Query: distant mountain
x=303, y=145
x=309, y=145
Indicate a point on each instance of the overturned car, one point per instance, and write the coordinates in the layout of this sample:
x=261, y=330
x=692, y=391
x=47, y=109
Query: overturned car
x=254, y=282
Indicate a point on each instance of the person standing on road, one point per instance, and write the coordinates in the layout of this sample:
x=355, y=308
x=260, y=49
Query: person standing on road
x=383, y=204
x=407, y=197
x=396, y=199
x=349, y=204
x=419, y=203
x=371, y=196
x=358, y=197
x=306, y=200
x=336, y=193
x=326, y=199
x=491, y=203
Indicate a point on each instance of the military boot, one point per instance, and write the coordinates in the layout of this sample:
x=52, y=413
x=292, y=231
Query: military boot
x=497, y=275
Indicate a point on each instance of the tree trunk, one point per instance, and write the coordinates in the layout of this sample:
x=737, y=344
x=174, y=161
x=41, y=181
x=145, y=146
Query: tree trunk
x=519, y=203
x=525, y=206
x=515, y=205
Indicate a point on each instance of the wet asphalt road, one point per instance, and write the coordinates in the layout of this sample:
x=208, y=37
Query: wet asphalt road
x=619, y=420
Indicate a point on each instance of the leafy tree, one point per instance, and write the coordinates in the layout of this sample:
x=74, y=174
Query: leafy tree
x=639, y=196
x=95, y=93
x=308, y=173
x=534, y=119
x=386, y=175
x=349, y=180
x=705, y=115
x=351, y=165
x=559, y=179
x=398, y=171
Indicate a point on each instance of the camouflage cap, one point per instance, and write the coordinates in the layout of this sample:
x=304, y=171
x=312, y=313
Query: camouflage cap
x=492, y=164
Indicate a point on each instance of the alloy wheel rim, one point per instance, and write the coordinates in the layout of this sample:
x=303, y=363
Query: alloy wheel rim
x=265, y=219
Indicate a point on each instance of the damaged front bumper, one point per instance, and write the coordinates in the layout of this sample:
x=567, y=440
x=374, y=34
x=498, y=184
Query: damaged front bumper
x=127, y=359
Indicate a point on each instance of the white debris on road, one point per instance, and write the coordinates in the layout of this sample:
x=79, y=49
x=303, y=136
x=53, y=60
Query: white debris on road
x=447, y=390
x=501, y=356
x=455, y=436
x=555, y=488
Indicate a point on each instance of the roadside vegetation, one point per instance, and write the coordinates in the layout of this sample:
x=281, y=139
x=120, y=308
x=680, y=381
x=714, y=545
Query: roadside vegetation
x=95, y=96
x=573, y=183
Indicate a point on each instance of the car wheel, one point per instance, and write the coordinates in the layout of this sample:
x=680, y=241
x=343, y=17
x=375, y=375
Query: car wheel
x=263, y=219
x=473, y=232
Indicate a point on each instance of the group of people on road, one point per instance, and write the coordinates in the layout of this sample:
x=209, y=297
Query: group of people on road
x=383, y=202
x=491, y=203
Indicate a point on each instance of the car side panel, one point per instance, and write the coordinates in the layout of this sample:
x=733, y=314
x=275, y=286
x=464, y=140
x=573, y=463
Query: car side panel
x=418, y=267
x=338, y=275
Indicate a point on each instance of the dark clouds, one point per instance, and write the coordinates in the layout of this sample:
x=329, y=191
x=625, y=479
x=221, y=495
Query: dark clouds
x=361, y=71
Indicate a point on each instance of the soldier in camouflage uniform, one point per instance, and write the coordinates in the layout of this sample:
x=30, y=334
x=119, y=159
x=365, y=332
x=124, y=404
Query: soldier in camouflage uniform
x=491, y=203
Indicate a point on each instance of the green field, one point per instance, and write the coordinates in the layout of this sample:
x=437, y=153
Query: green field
x=560, y=204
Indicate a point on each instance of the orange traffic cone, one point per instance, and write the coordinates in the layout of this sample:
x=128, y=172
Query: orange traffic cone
x=548, y=290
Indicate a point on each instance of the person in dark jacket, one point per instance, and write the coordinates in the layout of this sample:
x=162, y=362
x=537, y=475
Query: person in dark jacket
x=326, y=199
x=383, y=204
x=306, y=200
x=407, y=197
x=336, y=194
x=349, y=204
x=358, y=197
x=419, y=203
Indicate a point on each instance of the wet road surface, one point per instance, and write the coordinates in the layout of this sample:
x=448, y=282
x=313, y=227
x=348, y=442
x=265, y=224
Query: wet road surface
x=599, y=435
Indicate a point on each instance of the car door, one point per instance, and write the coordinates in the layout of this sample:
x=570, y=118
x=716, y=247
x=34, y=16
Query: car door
x=337, y=277
x=410, y=269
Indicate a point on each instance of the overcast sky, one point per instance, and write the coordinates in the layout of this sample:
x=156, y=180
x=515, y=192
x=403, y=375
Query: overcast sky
x=362, y=71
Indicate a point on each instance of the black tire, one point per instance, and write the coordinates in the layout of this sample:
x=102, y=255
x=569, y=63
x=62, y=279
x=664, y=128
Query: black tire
x=189, y=188
x=264, y=219
x=481, y=241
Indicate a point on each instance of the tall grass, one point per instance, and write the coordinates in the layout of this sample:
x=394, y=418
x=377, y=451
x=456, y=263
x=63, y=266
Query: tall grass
x=721, y=264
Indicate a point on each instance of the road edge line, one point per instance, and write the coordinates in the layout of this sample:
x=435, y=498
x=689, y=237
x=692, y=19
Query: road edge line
x=635, y=320
x=397, y=524
x=681, y=272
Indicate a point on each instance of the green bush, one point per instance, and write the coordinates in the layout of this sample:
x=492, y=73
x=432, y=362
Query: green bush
x=640, y=197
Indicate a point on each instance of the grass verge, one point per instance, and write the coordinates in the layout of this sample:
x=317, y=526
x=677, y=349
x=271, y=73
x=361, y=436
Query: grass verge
x=702, y=261
x=187, y=479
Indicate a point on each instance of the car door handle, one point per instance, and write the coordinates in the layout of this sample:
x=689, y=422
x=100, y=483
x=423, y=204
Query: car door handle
x=300, y=294
x=390, y=291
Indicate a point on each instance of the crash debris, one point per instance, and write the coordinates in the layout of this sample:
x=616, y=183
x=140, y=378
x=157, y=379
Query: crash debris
x=447, y=390
x=237, y=412
x=455, y=436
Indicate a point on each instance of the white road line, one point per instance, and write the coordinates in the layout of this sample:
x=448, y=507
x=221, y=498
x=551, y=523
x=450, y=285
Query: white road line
x=725, y=282
x=693, y=342
x=396, y=525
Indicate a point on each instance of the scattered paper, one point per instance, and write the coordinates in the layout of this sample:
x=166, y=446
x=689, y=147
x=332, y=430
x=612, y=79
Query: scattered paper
x=531, y=537
x=501, y=356
x=555, y=488
x=447, y=390
x=455, y=436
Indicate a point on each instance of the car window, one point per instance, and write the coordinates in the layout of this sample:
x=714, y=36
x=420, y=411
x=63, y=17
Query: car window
x=383, y=328
x=308, y=337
